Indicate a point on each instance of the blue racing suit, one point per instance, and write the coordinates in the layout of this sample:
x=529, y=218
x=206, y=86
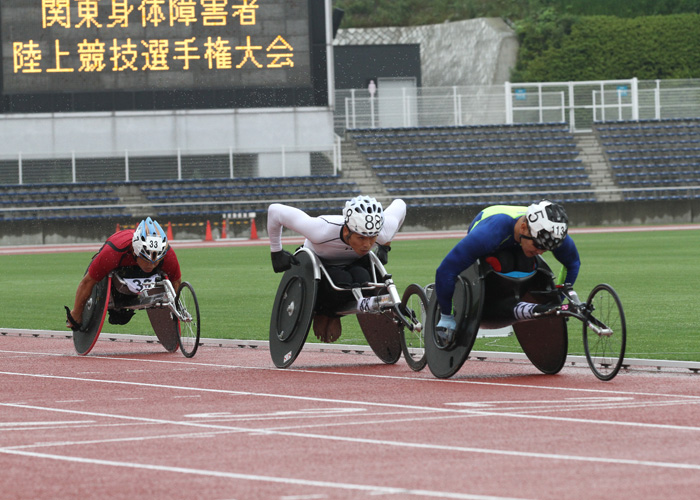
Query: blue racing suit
x=493, y=229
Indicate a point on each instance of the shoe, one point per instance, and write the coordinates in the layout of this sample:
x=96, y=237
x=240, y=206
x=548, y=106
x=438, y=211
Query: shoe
x=327, y=328
x=545, y=309
x=444, y=337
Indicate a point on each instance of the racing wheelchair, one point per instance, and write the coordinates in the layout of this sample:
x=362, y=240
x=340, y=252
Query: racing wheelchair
x=544, y=339
x=296, y=303
x=174, y=315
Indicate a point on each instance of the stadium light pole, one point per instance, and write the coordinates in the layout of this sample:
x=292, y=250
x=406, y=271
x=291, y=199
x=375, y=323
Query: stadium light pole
x=329, y=53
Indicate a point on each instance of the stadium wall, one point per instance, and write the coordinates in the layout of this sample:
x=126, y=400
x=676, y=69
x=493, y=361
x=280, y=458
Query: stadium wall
x=601, y=214
x=155, y=132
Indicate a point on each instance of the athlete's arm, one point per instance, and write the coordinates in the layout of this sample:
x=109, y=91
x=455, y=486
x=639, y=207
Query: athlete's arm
x=394, y=216
x=279, y=216
x=82, y=295
x=567, y=254
x=482, y=240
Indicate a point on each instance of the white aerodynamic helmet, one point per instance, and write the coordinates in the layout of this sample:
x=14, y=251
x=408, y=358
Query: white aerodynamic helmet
x=150, y=241
x=548, y=224
x=364, y=215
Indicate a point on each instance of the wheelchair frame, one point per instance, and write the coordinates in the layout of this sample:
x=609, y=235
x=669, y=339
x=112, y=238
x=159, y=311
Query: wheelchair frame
x=388, y=314
x=544, y=339
x=167, y=310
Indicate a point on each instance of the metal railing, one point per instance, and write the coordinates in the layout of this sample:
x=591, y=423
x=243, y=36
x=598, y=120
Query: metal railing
x=178, y=164
x=579, y=104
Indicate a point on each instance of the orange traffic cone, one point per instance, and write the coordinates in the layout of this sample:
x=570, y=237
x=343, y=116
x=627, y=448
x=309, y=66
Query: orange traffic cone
x=223, y=229
x=169, y=233
x=208, y=236
x=253, y=230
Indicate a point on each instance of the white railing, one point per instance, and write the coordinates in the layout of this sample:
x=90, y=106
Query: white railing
x=579, y=104
x=25, y=168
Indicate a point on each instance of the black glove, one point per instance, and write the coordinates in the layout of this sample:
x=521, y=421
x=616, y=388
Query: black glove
x=383, y=253
x=74, y=325
x=282, y=260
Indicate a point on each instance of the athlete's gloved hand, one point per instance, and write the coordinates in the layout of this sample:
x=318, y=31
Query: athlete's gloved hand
x=71, y=322
x=447, y=321
x=282, y=260
x=445, y=331
x=383, y=253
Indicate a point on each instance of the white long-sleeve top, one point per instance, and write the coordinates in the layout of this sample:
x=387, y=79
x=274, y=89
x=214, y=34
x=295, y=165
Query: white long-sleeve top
x=323, y=233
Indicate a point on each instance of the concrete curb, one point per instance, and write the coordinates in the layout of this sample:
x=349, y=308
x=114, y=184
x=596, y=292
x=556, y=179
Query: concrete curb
x=629, y=363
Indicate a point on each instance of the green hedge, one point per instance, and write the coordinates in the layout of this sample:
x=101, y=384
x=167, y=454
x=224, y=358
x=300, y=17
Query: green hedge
x=567, y=40
x=606, y=48
x=381, y=13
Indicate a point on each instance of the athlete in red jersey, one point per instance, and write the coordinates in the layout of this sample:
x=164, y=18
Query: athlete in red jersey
x=144, y=252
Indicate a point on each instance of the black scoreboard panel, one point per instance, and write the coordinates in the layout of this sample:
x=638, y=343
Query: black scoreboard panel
x=81, y=55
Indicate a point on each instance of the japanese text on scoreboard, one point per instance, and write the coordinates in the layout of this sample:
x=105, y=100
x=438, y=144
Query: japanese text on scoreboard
x=97, y=45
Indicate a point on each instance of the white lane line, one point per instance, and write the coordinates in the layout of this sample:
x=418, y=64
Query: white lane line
x=372, y=490
x=364, y=403
x=48, y=422
x=385, y=443
x=428, y=379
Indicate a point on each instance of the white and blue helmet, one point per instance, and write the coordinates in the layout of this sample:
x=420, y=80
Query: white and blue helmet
x=364, y=215
x=548, y=224
x=150, y=241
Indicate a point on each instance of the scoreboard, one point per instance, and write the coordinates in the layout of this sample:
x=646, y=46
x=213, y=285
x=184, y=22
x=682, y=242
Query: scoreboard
x=116, y=46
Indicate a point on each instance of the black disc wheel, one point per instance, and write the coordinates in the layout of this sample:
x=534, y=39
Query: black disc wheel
x=293, y=310
x=605, y=334
x=188, y=309
x=414, y=307
x=445, y=361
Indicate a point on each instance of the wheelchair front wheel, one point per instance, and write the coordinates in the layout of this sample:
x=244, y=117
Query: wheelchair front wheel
x=188, y=308
x=414, y=307
x=605, y=334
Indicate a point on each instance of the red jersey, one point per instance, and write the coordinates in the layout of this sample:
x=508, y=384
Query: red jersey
x=118, y=253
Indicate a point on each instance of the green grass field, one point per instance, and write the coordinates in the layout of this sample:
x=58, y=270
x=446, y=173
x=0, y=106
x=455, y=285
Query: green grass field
x=653, y=273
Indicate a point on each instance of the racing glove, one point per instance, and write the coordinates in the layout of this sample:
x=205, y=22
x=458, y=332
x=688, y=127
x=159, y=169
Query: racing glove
x=383, y=253
x=447, y=321
x=445, y=331
x=282, y=260
x=74, y=325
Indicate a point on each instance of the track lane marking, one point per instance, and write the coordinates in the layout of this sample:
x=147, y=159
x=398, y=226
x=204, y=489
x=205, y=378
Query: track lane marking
x=370, y=489
x=362, y=403
x=388, y=377
x=381, y=442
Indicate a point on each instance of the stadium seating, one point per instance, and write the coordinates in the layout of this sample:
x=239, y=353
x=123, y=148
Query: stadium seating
x=59, y=201
x=211, y=197
x=427, y=165
x=168, y=198
x=651, y=158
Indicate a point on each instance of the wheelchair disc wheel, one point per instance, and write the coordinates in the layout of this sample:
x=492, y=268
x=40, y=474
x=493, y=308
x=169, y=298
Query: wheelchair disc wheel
x=188, y=308
x=414, y=305
x=605, y=351
x=293, y=310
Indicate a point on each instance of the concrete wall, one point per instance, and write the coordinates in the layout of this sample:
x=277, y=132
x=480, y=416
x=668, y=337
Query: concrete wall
x=472, y=52
x=159, y=132
x=454, y=219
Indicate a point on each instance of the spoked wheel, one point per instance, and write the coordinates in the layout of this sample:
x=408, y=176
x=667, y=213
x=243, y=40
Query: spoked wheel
x=414, y=306
x=188, y=307
x=605, y=336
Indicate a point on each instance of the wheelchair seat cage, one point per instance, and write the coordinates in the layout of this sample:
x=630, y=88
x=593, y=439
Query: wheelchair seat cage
x=296, y=302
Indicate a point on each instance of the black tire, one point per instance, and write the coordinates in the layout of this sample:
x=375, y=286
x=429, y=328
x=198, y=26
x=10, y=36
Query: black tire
x=293, y=310
x=187, y=306
x=468, y=307
x=414, y=304
x=606, y=351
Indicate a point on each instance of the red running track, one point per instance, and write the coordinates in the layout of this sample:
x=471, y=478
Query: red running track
x=132, y=421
